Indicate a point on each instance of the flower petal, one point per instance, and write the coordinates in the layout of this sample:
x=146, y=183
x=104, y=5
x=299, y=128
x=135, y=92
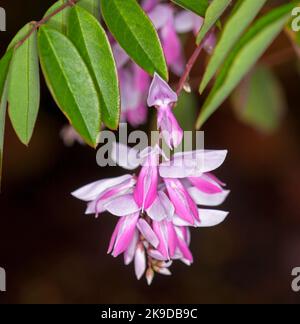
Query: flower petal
x=161, y=230
x=172, y=239
x=157, y=255
x=140, y=261
x=185, y=22
x=125, y=234
x=162, y=208
x=148, y=233
x=192, y=164
x=148, y=5
x=141, y=79
x=145, y=192
x=122, y=206
x=171, y=43
x=184, y=205
x=163, y=271
x=206, y=184
x=160, y=15
x=93, y=190
x=120, y=55
x=210, y=218
x=169, y=127
x=114, y=236
x=160, y=93
x=204, y=199
x=182, y=245
x=178, y=221
x=130, y=252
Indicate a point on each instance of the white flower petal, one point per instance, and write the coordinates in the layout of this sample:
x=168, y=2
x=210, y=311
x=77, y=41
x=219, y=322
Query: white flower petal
x=140, y=262
x=130, y=252
x=122, y=206
x=162, y=208
x=192, y=164
x=148, y=233
x=210, y=218
x=205, y=199
x=93, y=190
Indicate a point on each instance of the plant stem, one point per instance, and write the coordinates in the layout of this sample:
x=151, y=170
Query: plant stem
x=188, y=68
x=38, y=24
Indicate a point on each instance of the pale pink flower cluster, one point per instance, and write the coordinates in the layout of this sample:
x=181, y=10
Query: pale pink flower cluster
x=157, y=206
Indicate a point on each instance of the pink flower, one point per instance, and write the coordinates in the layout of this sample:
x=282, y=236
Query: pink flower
x=174, y=242
x=99, y=193
x=146, y=188
x=134, y=83
x=185, y=206
x=186, y=21
x=149, y=4
x=123, y=234
x=163, y=16
x=156, y=211
x=162, y=97
x=207, y=190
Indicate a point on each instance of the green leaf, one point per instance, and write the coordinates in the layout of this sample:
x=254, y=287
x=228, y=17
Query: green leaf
x=92, y=6
x=91, y=42
x=4, y=68
x=236, y=25
x=213, y=13
x=60, y=20
x=136, y=34
x=70, y=83
x=243, y=57
x=197, y=6
x=259, y=100
x=24, y=85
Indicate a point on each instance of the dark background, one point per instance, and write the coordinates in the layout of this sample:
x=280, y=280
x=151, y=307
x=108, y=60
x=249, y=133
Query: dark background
x=53, y=253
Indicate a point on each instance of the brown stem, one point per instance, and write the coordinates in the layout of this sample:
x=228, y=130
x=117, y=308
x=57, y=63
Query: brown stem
x=38, y=24
x=188, y=68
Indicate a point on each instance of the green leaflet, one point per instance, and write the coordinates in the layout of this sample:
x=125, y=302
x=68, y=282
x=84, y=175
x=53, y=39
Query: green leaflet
x=91, y=42
x=60, y=20
x=243, y=57
x=4, y=70
x=136, y=34
x=197, y=6
x=24, y=85
x=213, y=13
x=236, y=25
x=70, y=83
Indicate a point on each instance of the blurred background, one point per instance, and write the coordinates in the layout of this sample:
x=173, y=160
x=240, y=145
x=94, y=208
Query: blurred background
x=53, y=253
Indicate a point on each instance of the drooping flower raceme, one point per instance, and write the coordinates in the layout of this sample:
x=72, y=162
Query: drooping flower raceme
x=157, y=206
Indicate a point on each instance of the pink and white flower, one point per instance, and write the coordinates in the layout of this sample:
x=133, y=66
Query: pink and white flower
x=162, y=97
x=156, y=211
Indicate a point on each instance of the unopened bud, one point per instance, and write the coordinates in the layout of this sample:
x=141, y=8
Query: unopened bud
x=149, y=276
